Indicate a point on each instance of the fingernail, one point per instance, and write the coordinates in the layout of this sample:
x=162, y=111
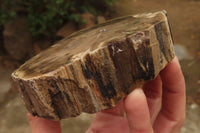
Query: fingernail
x=137, y=92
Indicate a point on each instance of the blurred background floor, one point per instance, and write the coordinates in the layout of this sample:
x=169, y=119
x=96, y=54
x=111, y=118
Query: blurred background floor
x=184, y=19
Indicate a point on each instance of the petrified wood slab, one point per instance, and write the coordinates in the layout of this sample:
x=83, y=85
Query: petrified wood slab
x=95, y=68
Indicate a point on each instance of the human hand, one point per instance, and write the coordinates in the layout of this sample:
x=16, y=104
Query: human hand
x=158, y=107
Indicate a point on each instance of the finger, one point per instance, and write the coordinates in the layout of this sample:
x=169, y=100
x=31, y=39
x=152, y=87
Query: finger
x=41, y=125
x=153, y=93
x=137, y=112
x=108, y=123
x=172, y=114
x=118, y=110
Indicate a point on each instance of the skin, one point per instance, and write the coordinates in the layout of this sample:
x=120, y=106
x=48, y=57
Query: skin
x=157, y=107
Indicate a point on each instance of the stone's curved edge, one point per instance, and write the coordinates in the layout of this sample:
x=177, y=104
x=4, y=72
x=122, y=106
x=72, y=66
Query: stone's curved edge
x=100, y=79
x=160, y=15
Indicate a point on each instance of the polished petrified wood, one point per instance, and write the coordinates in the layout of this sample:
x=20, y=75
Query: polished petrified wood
x=95, y=68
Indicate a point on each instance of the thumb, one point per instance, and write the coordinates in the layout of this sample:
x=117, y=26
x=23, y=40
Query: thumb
x=41, y=125
x=137, y=112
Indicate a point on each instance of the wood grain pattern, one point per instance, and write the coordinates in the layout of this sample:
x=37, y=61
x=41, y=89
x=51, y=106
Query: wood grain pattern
x=95, y=68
